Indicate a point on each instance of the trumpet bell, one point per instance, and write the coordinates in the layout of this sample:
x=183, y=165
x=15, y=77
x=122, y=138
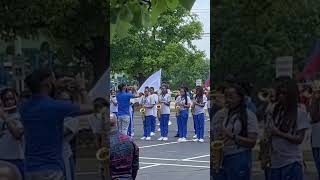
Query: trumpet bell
x=142, y=110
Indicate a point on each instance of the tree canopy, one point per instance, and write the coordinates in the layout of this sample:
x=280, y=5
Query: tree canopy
x=167, y=45
x=249, y=35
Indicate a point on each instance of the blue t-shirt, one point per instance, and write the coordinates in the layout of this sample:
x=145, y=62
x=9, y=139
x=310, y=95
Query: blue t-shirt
x=42, y=118
x=124, y=103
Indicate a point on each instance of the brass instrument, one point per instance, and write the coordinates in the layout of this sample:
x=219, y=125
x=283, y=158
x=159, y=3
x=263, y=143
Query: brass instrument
x=265, y=142
x=217, y=144
x=158, y=110
x=143, y=111
x=178, y=110
x=265, y=95
x=103, y=153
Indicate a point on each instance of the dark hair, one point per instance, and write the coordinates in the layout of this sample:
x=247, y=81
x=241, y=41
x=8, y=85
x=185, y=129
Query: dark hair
x=185, y=95
x=5, y=91
x=121, y=86
x=291, y=106
x=242, y=109
x=100, y=103
x=151, y=88
x=35, y=79
x=200, y=93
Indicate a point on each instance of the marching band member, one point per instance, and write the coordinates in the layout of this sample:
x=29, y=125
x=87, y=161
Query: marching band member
x=114, y=103
x=131, y=124
x=194, y=93
x=176, y=97
x=11, y=130
x=239, y=129
x=315, y=134
x=288, y=126
x=184, y=102
x=199, y=117
x=165, y=99
x=148, y=103
x=154, y=120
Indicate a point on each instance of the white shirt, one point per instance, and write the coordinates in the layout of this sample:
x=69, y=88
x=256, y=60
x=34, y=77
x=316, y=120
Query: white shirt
x=156, y=100
x=10, y=147
x=164, y=108
x=73, y=125
x=148, y=101
x=181, y=100
x=113, y=108
x=198, y=109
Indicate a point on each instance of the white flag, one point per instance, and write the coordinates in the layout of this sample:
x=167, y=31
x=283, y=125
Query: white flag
x=100, y=89
x=153, y=81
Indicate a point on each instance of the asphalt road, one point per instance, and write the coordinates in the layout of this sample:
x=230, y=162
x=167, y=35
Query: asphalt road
x=175, y=161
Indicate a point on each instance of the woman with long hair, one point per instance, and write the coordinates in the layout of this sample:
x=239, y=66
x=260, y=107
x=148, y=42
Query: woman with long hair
x=239, y=129
x=199, y=117
x=11, y=130
x=184, y=102
x=289, y=123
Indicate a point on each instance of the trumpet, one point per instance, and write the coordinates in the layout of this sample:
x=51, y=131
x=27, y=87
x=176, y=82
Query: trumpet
x=178, y=110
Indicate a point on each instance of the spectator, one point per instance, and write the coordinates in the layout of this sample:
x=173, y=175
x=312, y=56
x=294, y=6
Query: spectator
x=124, y=154
x=42, y=118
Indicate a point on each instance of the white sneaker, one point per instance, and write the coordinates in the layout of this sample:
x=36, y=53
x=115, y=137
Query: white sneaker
x=160, y=139
x=165, y=139
x=169, y=123
x=195, y=136
x=201, y=140
x=152, y=134
x=183, y=140
x=158, y=124
x=132, y=134
x=143, y=138
x=179, y=140
x=159, y=130
x=195, y=140
x=148, y=138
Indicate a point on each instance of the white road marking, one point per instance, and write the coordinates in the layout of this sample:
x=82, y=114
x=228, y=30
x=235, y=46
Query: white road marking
x=197, y=157
x=177, y=165
x=145, y=167
x=165, y=159
x=162, y=144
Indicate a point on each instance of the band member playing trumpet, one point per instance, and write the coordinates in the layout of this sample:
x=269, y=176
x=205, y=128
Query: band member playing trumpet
x=165, y=100
x=239, y=127
x=289, y=124
x=147, y=103
x=199, y=117
x=184, y=102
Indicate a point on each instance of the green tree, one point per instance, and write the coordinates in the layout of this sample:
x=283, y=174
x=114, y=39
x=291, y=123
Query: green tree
x=167, y=45
x=78, y=27
x=249, y=35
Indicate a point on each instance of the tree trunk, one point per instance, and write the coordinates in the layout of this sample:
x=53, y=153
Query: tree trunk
x=99, y=57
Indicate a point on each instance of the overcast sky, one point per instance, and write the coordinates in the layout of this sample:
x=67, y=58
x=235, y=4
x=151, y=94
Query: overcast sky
x=202, y=9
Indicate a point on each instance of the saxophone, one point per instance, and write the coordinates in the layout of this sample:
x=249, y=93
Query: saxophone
x=218, y=143
x=178, y=110
x=265, y=143
x=103, y=153
x=158, y=110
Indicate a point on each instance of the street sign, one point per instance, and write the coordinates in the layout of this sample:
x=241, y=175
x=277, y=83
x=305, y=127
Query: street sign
x=284, y=66
x=198, y=82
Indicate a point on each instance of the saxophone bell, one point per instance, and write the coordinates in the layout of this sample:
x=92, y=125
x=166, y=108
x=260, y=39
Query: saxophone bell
x=102, y=154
